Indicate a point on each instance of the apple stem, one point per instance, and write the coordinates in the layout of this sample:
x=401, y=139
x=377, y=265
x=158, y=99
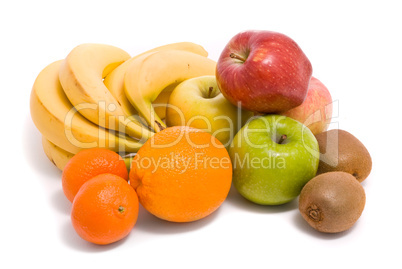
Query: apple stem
x=210, y=91
x=237, y=56
x=282, y=138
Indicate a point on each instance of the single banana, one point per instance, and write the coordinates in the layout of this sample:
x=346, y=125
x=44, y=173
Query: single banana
x=58, y=156
x=146, y=77
x=160, y=103
x=81, y=76
x=58, y=121
x=114, y=81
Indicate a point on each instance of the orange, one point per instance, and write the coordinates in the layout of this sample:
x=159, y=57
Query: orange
x=89, y=163
x=181, y=174
x=105, y=209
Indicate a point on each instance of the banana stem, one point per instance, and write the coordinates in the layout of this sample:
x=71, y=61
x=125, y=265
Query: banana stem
x=160, y=126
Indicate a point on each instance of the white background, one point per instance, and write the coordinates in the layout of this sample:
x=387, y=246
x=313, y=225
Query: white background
x=355, y=48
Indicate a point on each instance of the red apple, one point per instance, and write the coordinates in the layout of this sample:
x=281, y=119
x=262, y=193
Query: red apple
x=263, y=71
x=316, y=110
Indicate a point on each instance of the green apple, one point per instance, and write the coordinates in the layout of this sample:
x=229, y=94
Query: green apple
x=273, y=157
x=198, y=103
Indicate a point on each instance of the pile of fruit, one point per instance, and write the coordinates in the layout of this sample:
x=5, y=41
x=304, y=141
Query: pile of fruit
x=172, y=129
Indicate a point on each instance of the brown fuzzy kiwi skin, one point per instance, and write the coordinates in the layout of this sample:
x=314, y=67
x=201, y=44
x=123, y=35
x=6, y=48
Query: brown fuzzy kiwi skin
x=332, y=202
x=341, y=151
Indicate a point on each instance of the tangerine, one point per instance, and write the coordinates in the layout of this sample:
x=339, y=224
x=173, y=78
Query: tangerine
x=105, y=209
x=89, y=163
x=181, y=174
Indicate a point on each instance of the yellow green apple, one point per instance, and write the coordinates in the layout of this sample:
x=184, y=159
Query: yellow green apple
x=198, y=103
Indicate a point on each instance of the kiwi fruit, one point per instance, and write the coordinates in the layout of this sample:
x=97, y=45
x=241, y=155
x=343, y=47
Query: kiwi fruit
x=332, y=202
x=341, y=151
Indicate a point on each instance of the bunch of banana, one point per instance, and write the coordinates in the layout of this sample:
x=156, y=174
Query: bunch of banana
x=100, y=96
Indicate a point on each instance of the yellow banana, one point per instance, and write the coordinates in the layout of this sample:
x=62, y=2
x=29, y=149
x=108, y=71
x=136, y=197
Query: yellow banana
x=146, y=77
x=162, y=100
x=81, y=76
x=58, y=156
x=57, y=119
x=114, y=80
